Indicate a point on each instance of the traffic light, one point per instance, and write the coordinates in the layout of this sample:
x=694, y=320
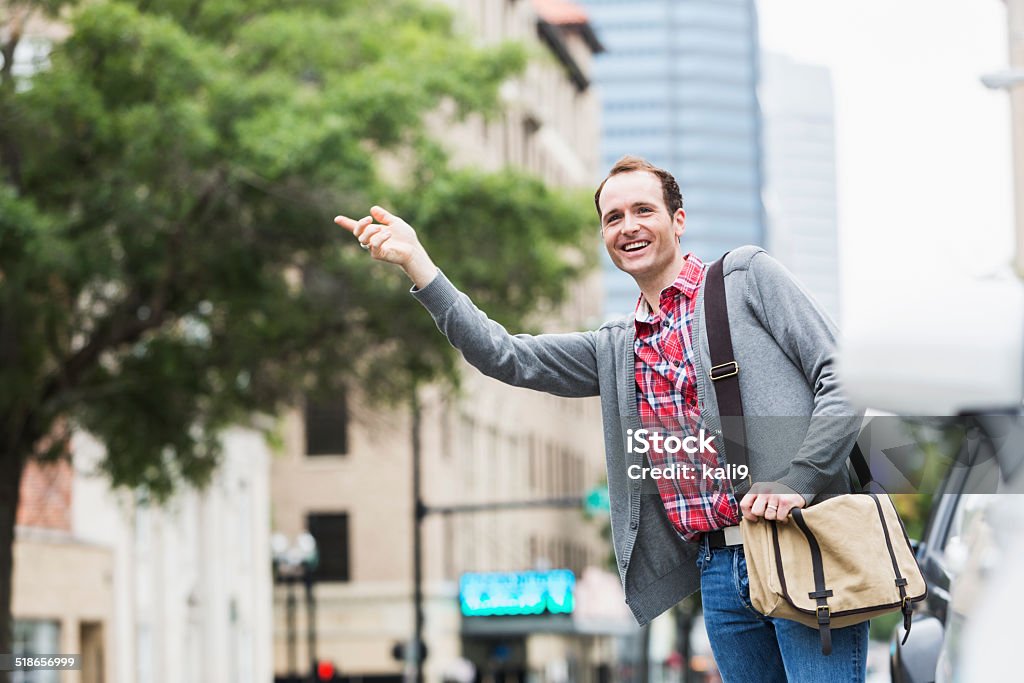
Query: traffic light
x=325, y=672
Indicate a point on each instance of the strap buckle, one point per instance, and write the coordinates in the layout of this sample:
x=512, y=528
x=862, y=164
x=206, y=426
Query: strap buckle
x=828, y=614
x=724, y=370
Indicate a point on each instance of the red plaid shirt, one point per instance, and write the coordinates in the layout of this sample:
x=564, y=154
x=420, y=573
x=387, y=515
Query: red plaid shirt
x=666, y=398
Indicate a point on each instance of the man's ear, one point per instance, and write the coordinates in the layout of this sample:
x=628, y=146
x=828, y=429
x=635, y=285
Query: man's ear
x=679, y=223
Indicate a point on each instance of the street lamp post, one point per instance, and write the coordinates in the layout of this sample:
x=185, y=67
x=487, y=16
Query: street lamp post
x=290, y=612
x=294, y=562
x=310, y=623
x=416, y=653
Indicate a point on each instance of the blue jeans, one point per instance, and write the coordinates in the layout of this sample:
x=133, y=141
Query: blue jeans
x=752, y=648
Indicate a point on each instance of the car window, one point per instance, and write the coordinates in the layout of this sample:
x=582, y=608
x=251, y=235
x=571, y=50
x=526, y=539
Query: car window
x=981, y=486
x=969, y=509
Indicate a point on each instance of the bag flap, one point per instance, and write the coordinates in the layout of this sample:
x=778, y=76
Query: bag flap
x=855, y=547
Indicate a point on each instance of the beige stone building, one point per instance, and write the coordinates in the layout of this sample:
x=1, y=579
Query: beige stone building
x=346, y=476
x=146, y=594
x=57, y=611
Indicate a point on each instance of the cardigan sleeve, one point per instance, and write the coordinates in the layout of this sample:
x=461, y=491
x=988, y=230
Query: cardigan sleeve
x=560, y=364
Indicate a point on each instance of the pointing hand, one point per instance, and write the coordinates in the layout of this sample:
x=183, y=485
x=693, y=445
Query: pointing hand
x=392, y=240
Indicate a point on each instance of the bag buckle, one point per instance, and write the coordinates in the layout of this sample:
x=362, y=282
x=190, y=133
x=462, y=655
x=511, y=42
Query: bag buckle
x=724, y=370
x=828, y=614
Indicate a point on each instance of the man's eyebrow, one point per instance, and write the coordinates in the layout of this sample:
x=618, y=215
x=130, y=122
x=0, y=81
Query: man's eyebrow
x=634, y=205
x=608, y=213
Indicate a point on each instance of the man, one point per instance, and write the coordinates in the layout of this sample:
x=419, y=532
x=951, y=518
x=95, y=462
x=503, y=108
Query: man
x=651, y=372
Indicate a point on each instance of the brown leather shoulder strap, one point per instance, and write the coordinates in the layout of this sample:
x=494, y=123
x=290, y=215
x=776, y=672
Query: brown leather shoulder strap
x=726, y=379
x=725, y=371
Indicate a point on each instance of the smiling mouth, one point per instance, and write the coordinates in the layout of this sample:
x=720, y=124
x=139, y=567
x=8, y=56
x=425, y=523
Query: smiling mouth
x=635, y=246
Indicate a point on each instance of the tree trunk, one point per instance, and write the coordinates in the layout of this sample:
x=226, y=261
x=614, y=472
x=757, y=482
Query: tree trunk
x=11, y=467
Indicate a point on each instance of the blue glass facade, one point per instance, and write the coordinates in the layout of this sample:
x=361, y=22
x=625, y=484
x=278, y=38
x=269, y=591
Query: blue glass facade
x=678, y=86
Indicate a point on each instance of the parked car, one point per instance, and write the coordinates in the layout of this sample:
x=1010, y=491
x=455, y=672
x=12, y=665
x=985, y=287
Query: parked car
x=958, y=549
x=952, y=359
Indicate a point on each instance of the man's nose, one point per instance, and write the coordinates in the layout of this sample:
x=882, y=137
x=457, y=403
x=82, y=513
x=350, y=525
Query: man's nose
x=630, y=224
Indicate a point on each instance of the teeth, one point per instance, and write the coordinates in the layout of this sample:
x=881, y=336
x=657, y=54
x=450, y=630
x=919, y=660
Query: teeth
x=635, y=245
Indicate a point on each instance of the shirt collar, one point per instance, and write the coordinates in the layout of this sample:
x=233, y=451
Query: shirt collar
x=686, y=283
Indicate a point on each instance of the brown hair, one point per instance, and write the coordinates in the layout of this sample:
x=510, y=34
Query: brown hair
x=629, y=164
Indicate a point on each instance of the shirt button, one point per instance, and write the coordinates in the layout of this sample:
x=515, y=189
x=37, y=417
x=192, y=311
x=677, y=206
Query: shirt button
x=634, y=524
x=624, y=564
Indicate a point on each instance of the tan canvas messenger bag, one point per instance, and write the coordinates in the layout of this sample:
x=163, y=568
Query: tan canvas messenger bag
x=841, y=561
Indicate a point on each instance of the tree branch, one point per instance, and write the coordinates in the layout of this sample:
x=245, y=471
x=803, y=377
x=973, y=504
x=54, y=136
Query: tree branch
x=16, y=28
x=10, y=154
x=123, y=326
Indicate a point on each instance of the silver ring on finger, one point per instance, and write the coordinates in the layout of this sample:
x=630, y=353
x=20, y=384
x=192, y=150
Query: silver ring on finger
x=364, y=246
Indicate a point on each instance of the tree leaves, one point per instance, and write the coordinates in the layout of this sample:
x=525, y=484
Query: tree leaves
x=168, y=264
x=507, y=223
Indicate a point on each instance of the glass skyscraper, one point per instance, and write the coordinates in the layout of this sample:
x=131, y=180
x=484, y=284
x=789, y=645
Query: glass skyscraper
x=678, y=86
x=800, y=174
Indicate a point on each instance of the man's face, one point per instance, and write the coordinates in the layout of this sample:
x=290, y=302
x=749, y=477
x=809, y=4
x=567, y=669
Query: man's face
x=640, y=235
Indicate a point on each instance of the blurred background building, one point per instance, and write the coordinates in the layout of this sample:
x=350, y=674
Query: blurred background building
x=146, y=593
x=345, y=475
x=678, y=86
x=56, y=610
x=800, y=174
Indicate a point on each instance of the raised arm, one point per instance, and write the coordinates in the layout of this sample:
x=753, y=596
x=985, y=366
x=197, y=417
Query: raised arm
x=561, y=364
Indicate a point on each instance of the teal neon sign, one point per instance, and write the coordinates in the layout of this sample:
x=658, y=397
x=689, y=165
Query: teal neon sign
x=515, y=593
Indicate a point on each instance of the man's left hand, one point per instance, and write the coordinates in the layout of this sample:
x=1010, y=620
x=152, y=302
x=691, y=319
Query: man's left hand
x=770, y=500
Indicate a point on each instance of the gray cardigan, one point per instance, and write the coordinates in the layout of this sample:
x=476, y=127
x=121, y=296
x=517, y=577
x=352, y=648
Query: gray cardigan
x=799, y=428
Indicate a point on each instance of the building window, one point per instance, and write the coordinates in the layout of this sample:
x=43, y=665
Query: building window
x=332, y=543
x=327, y=426
x=33, y=637
x=530, y=125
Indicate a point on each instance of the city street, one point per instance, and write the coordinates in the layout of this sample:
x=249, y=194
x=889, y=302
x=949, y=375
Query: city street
x=449, y=341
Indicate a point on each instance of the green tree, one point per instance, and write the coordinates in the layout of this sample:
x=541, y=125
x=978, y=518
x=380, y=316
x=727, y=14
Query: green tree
x=168, y=263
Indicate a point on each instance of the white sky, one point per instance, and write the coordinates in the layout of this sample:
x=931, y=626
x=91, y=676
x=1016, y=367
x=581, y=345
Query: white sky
x=923, y=148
